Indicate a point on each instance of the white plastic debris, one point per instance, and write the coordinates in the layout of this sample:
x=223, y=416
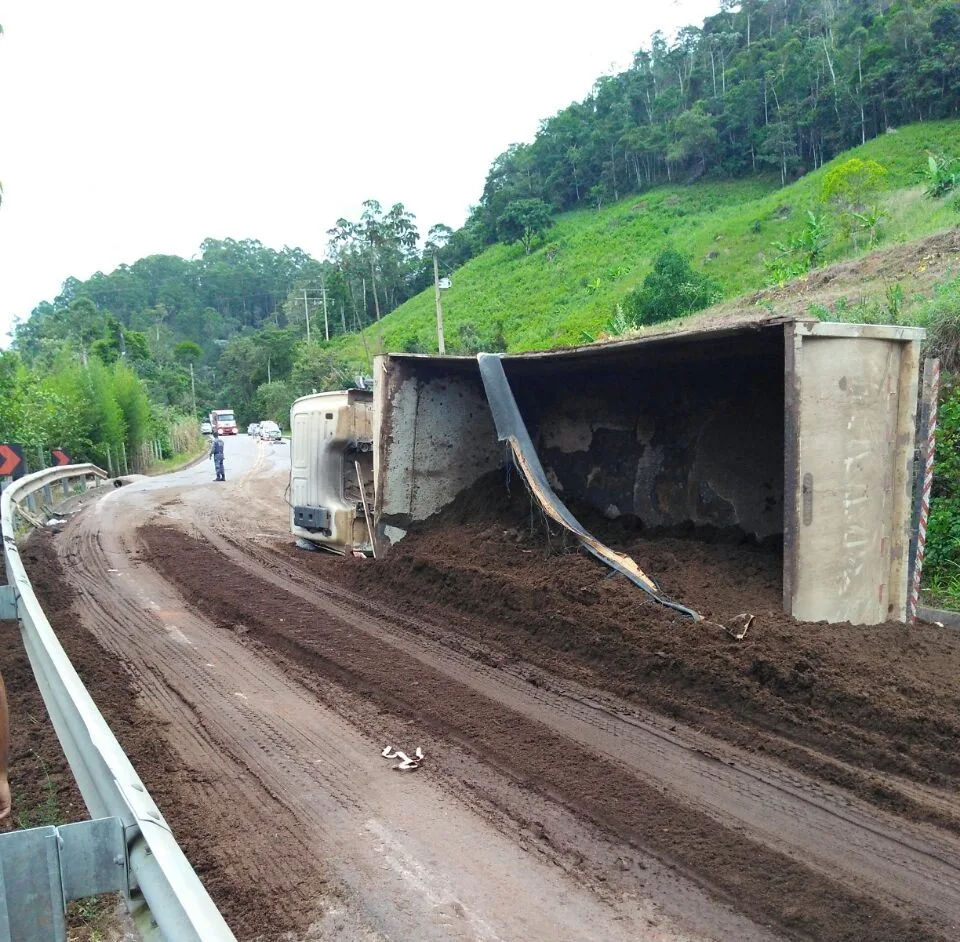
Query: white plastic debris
x=406, y=764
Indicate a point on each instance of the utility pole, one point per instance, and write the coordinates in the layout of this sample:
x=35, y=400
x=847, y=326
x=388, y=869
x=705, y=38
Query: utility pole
x=193, y=391
x=373, y=288
x=306, y=313
x=323, y=292
x=436, y=295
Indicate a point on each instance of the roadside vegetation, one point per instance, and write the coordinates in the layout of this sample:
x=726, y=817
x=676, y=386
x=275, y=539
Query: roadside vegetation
x=93, y=403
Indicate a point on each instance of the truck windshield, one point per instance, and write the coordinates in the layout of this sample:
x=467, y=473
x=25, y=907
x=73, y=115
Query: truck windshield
x=225, y=417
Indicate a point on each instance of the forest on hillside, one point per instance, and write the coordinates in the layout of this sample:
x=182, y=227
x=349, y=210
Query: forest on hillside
x=764, y=88
x=776, y=86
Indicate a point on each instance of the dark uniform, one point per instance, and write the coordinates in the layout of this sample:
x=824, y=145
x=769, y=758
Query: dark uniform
x=216, y=452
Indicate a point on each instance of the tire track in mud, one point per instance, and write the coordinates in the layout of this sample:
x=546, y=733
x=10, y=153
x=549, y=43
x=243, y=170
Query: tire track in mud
x=250, y=889
x=279, y=785
x=793, y=813
x=757, y=879
x=209, y=721
x=483, y=639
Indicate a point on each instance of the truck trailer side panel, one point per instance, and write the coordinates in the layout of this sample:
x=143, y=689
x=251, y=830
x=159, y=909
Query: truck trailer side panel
x=778, y=430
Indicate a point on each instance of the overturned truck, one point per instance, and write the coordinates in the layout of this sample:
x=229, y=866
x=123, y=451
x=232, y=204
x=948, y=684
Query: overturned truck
x=331, y=470
x=791, y=431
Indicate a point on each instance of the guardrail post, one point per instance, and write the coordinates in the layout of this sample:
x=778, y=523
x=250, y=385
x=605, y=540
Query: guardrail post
x=42, y=869
x=31, y=892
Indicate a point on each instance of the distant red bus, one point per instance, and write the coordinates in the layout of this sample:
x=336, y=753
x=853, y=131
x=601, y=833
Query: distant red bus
x=223, y=421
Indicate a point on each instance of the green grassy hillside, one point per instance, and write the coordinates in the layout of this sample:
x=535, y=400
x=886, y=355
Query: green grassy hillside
x=567, y=289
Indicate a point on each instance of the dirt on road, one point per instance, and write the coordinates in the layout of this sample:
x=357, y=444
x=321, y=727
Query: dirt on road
x=771, y=886
x=306, y=825
x=841, y=702
x=598, y=767
x=43, y=786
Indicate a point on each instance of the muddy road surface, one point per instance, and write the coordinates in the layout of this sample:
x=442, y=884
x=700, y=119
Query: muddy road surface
x=549, y=806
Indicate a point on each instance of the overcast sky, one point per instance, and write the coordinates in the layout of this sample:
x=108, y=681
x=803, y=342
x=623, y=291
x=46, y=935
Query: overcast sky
x=131, y=128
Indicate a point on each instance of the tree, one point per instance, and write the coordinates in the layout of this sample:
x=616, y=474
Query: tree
x=438, y=238
x=13, y=385
x=376, y=257
x=801, y=253
x=188, y=352
x=852, y=189
x=84, y=324
x=318, y=369
x=118, y=343
x=942, y=175
x=672, y=289
x=134, y=404
x=695, y=135
x=522, y=221
x=278, y=347
x=273, y=401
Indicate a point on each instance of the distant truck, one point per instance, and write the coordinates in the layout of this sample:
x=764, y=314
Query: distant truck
x=331, y=435
x=223, y=422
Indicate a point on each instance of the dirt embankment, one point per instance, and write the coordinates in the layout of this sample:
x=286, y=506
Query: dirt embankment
x=763, y=883
x=41, y=783
x=838, y=701
x=43, y=786
x=917, y=267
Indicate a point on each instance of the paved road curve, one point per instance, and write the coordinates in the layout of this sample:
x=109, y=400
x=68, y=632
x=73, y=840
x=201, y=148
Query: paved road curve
x=405, y=858
x=458, y=849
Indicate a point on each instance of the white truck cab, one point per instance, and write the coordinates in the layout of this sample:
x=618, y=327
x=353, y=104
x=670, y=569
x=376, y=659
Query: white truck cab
x=330, y=435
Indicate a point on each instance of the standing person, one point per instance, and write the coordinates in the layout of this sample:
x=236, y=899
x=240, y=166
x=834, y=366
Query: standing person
x=216, y=452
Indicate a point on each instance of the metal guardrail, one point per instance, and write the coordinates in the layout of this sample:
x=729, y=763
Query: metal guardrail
x=43, y=868
x=164, y=896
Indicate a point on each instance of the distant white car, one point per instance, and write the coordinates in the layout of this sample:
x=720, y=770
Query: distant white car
x=253, y=429
x=206, y=428
x=270, y=432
